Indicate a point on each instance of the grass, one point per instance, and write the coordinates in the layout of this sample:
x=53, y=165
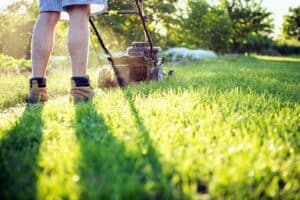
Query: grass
x=278, y=58
x=220, y=129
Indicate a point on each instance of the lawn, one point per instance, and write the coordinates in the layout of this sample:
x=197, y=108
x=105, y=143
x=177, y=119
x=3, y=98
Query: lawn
x=226, y=128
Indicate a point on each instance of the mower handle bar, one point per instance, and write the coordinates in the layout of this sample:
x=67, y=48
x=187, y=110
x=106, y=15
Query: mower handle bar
x=139, y=11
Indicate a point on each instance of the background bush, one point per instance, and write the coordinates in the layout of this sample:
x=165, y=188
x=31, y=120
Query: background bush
x=228, y=27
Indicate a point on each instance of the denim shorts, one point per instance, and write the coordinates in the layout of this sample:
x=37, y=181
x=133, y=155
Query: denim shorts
x=60, y=5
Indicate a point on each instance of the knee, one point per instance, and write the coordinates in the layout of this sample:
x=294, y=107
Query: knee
x=78, y=10
x=50, y=18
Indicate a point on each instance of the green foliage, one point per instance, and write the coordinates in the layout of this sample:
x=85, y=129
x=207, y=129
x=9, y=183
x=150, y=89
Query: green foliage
x=248, y=19
x=286, y=49
x=16, y=26
x=232, y=26
x=221, y=129
x=201, y=26
x=291, y=24
x=219, y=30
x=257, y=43
x=204, y=27
x=9, y=63
x=16, y=23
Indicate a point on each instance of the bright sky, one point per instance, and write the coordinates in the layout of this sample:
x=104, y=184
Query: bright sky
x=279, y=8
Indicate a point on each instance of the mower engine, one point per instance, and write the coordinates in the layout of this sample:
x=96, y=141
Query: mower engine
x=140, y=63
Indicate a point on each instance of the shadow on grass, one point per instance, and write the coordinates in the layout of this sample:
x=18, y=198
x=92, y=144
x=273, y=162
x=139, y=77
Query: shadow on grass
x=107, y=170
x=19, y=150
x=151, y=155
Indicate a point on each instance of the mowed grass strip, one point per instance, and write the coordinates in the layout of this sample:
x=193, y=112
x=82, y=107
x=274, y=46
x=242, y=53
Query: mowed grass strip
x=224, y=128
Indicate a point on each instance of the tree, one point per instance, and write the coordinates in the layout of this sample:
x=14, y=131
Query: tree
x=218, y=29
x=16, y=23
x=16, y=26
x=249, y=19
x=201, y=26
x=291, y=24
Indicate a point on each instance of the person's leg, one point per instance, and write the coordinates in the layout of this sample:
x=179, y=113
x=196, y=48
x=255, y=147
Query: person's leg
x=42, y=44
x=78, y=38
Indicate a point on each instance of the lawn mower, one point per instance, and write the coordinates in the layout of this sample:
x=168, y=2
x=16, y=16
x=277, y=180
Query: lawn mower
x=141, y=62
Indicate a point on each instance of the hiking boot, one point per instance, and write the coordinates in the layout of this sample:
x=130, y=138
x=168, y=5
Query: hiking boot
x=81, y=89
x=38, y=91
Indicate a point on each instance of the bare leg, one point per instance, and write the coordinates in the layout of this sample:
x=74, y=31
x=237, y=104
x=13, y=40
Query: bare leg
x=42, y=42
x=78, y=38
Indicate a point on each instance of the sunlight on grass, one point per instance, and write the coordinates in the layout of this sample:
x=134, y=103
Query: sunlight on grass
x=59, y=154
x=225, y=128
x=278, y=58
x=9, y=117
